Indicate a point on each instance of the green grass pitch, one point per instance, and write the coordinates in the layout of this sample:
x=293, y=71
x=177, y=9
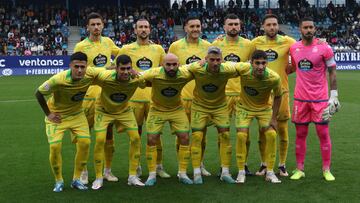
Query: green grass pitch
x=25, y=174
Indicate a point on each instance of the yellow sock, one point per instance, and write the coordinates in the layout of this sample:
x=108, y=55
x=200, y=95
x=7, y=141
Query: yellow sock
x=99, y=153
x=225, y=149
x=241, y=149
x=183, y=157
x=270, y=149
x=109, y=153
x=134, y=151
x=159, y=149
x=151, y=154
x=262, y=144
x=197, y=137
x=81, y=157
x=56, y=161
x=283, y=141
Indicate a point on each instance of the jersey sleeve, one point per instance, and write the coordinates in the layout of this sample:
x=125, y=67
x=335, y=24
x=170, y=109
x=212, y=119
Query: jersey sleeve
x=149, y=75
x=77, y=47
x=230, y=69
x=49, y=86
x=328, y=52
x=242, y=67
x=171, y=48
x=114, y=49
x=162, y=55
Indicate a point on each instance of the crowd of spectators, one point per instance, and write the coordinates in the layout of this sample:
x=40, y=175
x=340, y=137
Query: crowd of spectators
x=33, y=30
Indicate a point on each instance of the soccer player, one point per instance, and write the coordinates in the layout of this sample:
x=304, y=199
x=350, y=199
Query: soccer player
x=209, y=103
x=166, y=106
x=311, y=101
x=277, y=50
x=258, y=82
x=235, y=49
x=117, y=87
x=190, y=49
x=64, y=112
x=99, y=50
x=145, y=55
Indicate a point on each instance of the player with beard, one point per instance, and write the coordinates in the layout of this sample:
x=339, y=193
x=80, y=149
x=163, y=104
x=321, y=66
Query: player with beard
x=277, y=50
x=144, y=55
x=191, y=49
x=235, y=49
x=99, y=50
x=311, y=100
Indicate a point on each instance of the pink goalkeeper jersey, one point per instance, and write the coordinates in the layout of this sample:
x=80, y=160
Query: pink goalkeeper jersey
x=310, y=61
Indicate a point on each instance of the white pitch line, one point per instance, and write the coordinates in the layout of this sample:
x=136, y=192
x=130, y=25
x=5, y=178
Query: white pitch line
x=17, y=100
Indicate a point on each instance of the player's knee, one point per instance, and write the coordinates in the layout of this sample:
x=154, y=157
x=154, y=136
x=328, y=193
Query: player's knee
x=183, y=138
x=55, y=148
x=270, y=135
x=242, y=136
x=85, y=142
x=134, y=136
x=152, y=139
x=197, y=138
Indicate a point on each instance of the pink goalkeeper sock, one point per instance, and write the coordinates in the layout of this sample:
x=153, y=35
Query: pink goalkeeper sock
x=300, y=151
x=325, y=144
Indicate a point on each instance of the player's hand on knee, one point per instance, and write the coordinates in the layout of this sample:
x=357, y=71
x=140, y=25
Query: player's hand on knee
x=54, y=117
x=334, y=104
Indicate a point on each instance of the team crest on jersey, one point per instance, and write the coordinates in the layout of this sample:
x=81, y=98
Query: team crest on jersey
x=209, y=88
x=305, y=65
x=271, y=55
x=144, y=63
x=192, y=59
x=118, y=97
x=251, y=91
x=100, y=60
x=169, y=92
x=232, y=57
x=78, y=96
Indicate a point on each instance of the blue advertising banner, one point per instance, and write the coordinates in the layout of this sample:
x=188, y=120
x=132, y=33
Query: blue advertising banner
x=347, y=60
x=33, y=65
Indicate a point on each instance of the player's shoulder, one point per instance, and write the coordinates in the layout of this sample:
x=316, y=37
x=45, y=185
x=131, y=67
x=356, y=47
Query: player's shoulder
x=177, y=43
x=272, y=75
x=81, y=44
x=204, y=42
x=244, y=40
x=258, y=40
x=129, y=46
x=157, y=47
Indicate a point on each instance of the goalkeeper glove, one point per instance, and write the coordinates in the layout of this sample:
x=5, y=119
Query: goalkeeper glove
x=334, y=104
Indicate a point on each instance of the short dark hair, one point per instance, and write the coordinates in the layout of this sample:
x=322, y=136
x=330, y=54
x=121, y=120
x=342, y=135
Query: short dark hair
x=80, y=56
x=231, y=16
x=142, y=19
x=267, y=16
x=123, y=59
x=191, y=18
x=258, y=54
x=305, y=19
x=93, y=15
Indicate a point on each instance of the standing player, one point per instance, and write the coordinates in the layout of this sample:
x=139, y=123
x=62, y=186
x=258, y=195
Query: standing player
x=63, y=112
x=258, y=83
x=277, y=50
x=191, y=49
x=311, y=100
x=209, y=103
x=145, y=56
x=99, y=50
x=235, y=49
x=166, y=106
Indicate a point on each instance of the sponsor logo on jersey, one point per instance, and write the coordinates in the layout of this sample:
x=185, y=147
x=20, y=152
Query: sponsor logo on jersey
x=144, y=63
x=232, y=57
x=169, y=92
x=100, y=60
x=78, y=96
x=192, y=59
x=209, y=88
x=251, y=91
x=118, y=97
x=305, y=65
x=271, y=55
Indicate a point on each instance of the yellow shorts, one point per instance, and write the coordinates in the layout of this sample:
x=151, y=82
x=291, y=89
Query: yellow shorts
x=141, y=111
x=201, y=117
x=231, y=103
x=243, y=117
x=284, y=110
x=89, y=103
x=77, y=124
x=187, y=106
x=124, y=120
x=178, y=120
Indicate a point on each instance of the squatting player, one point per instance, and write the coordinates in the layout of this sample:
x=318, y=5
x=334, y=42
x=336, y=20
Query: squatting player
x=311, y=100
x=190, y=49
x=258, y=83
x=64, y=112
x=166, y=106
x=99, y=50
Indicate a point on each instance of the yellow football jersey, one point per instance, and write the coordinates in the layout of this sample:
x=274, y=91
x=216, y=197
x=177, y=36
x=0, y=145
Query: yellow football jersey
x=67, y=95
x=143, y=57
x=115, y=94
x=239, y=51
x=209, y=91
x=256, y=93
x=189, y=53
x=166, y=91
x=99, y=53
x=278, y=55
